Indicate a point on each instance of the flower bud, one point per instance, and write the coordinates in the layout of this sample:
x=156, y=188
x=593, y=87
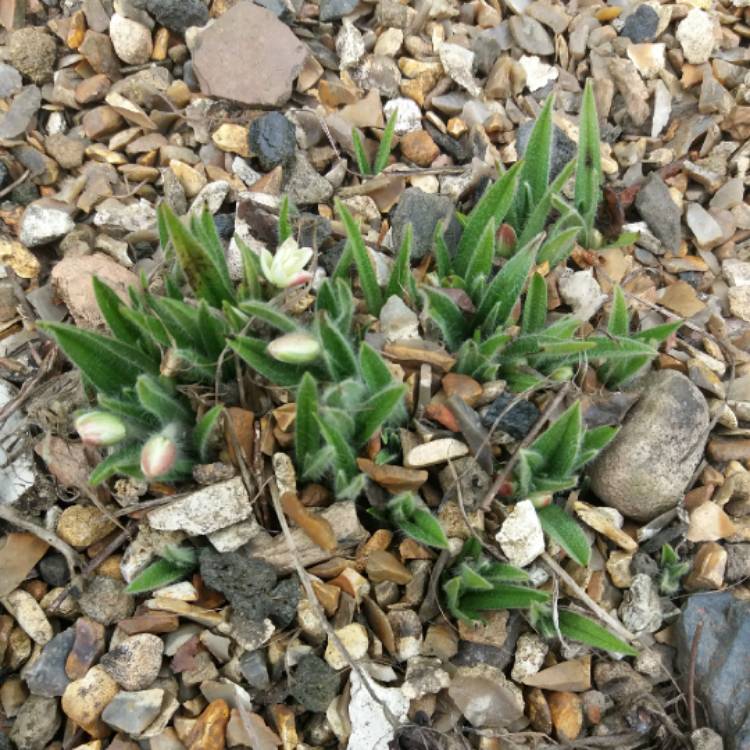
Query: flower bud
x=286, y=267
x=296, y=348
x=158, y=456
x=506, y=240
x=100, y=428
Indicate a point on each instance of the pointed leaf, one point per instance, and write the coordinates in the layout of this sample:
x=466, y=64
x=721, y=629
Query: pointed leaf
x=285, y=226
x=205, y=432
x=589, y=170
x=125, y=461
x=564, y=530
x=156, y=399
x=503, y=596
x=401, y=282
x=377, y=410
x=535, y=306
x=367, y=277
x=447, y=315
x=363, y=163
x=481, y=256
x=557, y=249
x=270, y=314
x=253, y=351
x=108, y=364
x=384, y=149
x=155, y=576
x=493, y=205
x=337, y=351
x=374, y=370
x=306, y=430
x=110, y=306
x=345, y=458
x=582, y=629
x=618, y=323
x=537, y=157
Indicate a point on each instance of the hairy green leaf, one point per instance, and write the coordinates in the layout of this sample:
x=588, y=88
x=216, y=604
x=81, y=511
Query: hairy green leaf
x=384, y=149
x=564, y=530
x=363, y=163
x=589, y=169
x=285, y=225
x=536, y=160
x=367, y=278
x=535, y=306
x=344, y=457
x=125, y=461
x=270, y=314
x=401, y=282
x=158, y=399
x=582, y=629
x=306, y=430
x=108, y=364
x=155, y=576
x=493, y=205
x=377, y=410
x=337, y=351
x=204, y=434
x=447, y=316
x=503, y=596
x=253, y=351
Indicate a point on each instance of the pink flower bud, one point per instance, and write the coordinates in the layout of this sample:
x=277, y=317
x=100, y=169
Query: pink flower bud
x=158, y=456
x=506, y=240
x=100, y=428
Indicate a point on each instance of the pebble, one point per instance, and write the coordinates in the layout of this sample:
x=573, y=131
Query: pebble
x=88, y=646
x=204, y=511
x=582, y=292
x=44, y=221
x=240, y=40
x=135, y=662
x=47, y=676
x=131, y=40
x=643, y=472
x=272, y=140
x=566, y=709
x=520, y=536
x=356, y=641
x=418, y=147
x=32, y=51
x=641, y=24
x=537, y=73
x=132, y=712
x=54, y=569
x=23, y=107
x=209, y=731
x=424, y=676
x=641, y=610
x=105, y=600
x=84, y=700
x=370, y=727
x=29, y=616
x=178, y=15
x=314, y=684
x=705, y=228
x=304, y=185
x=397, y=320
x=696, y=34
x=486, y=697
x=232, y=138
x=435, y=452
x=36, y=723
x=409, y=115
x=71, y=280
x=657, y=208
x=332, y=10
x=530, y=35
x=82, y=525
x=458, y=63
x=531, y=650
x=516, y=420
x=720, y=663
x=10, y=81
x=350, y=46
x=423, y=211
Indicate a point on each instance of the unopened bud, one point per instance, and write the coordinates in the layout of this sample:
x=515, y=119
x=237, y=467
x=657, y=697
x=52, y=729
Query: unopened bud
x=158, y=456
x=100, y=428
x=506, y=240
x=295, y=348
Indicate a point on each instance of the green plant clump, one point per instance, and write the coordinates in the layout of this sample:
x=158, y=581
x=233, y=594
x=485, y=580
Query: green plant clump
x=163, y=376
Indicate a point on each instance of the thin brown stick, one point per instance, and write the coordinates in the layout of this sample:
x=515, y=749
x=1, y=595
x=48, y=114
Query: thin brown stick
x=72, y=558
x=691, y=675
x=535, y=430
x=304, y=577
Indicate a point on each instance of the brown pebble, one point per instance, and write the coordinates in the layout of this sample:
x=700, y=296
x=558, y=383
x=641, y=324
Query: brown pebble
x=150, y=622
x=725, y=449
x=537, y=709
x=101, y=122
x=463, y=386
x=209, y=732
x=383, y=566
x=567, y=714
x=88, y=646
x=419, y=148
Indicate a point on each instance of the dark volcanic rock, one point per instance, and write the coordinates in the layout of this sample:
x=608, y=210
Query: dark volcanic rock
x=641, y=25
x=272, y=140
x=722, y=663
x=313, y=683
x=178, y=15
x=423, y=211
x=516, y=421
x=54, y=569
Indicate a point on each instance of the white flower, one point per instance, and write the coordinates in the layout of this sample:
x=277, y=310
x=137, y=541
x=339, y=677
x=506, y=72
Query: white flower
x=285, y=268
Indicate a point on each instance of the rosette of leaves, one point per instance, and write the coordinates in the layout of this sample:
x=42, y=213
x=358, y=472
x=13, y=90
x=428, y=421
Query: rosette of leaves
x=672, y=570
x=334, y=423
x=175, y=563
x=475, y=583
x=408, y=513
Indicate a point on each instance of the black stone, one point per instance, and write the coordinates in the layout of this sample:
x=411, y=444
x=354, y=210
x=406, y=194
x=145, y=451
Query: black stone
x=224, y=225
x=313, y=683
x=330, y=257
x=272, y=140
x=5, y=742
x=722, y=662
x=423, y=211
x=4, y=174
x=656, y=207
x=331, y=10
x=236, y=576
x=563, y=148
x=517, y=421
x=25, y=193
x=178, y=15
x=457, y=149
x=54, y=570
x=47, y=676
x=641, y=25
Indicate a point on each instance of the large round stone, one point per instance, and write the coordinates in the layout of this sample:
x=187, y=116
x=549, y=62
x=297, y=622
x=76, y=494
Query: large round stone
x=646, y=468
